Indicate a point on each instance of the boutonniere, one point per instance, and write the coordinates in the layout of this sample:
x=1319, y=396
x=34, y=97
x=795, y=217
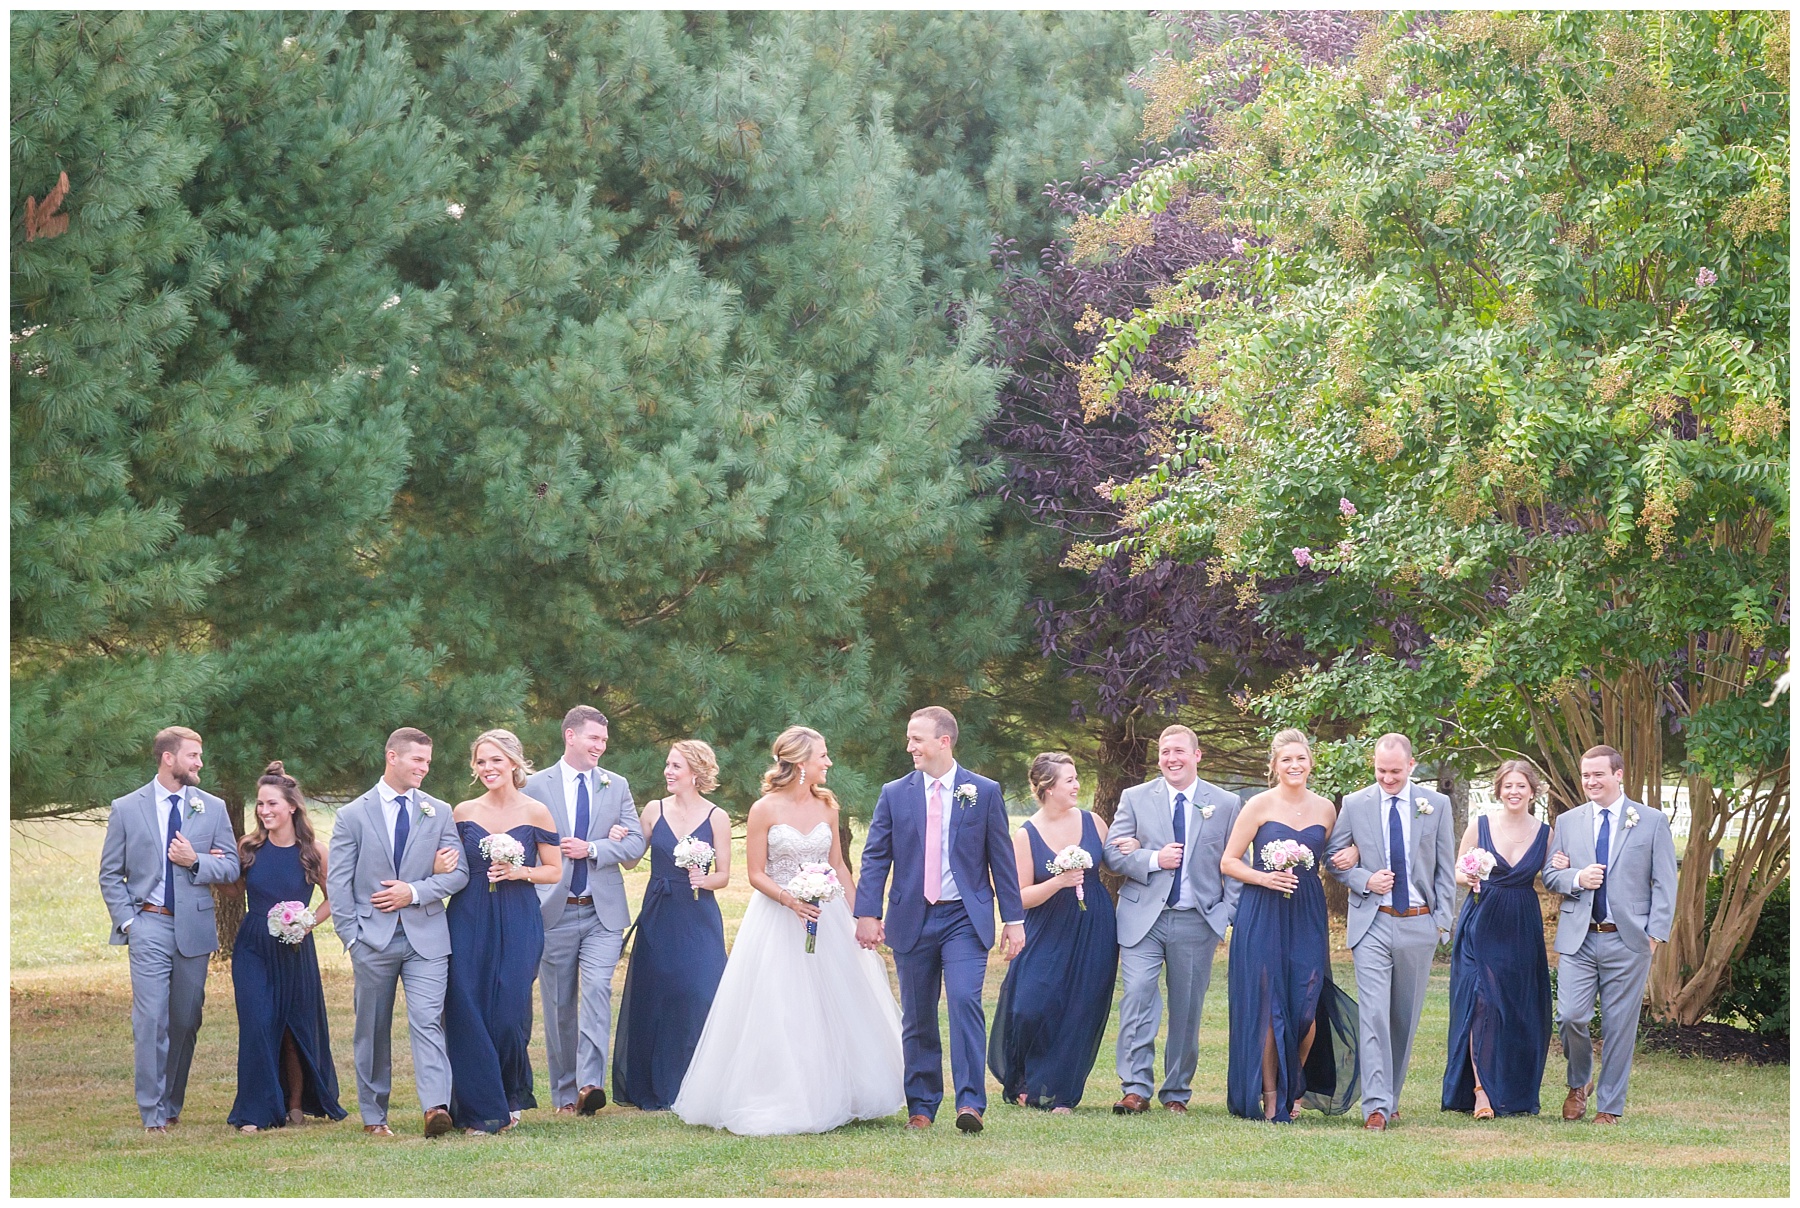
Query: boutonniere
x=605, y=781
x=964, y=795
x=1631, y=817
x=1206, y=811
x=196, y=805
x=1421, y=806
x=426, y=808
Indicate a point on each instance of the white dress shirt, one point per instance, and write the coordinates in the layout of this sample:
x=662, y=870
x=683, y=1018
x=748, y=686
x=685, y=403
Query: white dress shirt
x=1185, y=901
x=947, y=891
x=1617, y=815
x=390, y=814
x=570, y=780
x=1406, y=820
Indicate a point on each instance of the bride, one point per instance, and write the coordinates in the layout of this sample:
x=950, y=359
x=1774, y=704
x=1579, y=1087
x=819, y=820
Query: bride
x=796, y=1042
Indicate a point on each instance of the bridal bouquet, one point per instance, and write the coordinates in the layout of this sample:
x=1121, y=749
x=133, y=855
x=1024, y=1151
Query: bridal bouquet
x=1283, y=854
x=503, y=849
x=814, y=883
x=694, y=853
x=290, y=921
x=1069, y=859
x=1477, y=864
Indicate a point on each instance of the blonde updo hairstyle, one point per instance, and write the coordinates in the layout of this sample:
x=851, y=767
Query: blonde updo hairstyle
x=1285, y=738
x=701, y=760
x=1524, y=768
x=1045, y=771
x=791, y=748
x=511, y=747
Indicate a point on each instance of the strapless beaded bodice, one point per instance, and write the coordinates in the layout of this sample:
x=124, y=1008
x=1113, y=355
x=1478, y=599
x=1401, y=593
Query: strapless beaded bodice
x=789, y=848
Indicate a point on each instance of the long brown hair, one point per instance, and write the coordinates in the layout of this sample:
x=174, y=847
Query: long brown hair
x=791, y=748
x=276, y=776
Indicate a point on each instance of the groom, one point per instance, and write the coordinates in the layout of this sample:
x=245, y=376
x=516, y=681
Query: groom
x=1618, y=904
x=166, y=845
x=1402, y=891
x=942, y=830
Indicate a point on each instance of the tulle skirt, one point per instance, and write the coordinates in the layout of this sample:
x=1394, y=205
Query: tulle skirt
x=796, y=1042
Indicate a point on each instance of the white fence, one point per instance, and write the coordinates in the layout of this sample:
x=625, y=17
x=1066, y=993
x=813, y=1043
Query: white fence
x=1674, y=804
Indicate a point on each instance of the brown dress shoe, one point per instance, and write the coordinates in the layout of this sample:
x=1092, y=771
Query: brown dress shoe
x=919, y=1123
x=1131, y=1105
x=1376, y=1122
x=437, y=1122
x=1605, y=1118
x=968, y=1120
x=590, y=1100
x=1177, y=1106
x=378, y=1130
x=1575, y=1106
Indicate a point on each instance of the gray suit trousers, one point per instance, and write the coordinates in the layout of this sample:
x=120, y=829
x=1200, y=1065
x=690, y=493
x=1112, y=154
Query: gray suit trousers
x=1180, y=943
x=168, y=991
x=1607, y=968
x=426, y=979
x=575, y=979
x=1393, y=967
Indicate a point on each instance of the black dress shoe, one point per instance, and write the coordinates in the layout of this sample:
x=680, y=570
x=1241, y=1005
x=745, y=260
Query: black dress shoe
x=591, y=1100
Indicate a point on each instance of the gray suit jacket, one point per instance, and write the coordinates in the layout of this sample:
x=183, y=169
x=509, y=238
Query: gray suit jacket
x=362, y=857
x=611, y=804
x=1431, y=874
x=132, y=863
x=1640, y=880
x=1144, y=814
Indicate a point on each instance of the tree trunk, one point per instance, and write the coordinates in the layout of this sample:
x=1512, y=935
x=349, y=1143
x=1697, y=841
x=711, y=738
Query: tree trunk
x=1454, y=785
x=1121, y=766
x=229, y=900
x=845, y=836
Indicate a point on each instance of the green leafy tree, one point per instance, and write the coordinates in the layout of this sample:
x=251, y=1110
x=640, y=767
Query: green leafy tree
x=1491, y=408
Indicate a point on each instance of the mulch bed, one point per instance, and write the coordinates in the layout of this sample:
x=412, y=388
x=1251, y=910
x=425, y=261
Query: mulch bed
x=1716, y=1041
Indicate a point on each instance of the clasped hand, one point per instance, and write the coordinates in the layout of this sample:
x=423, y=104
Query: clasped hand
x=581, y=849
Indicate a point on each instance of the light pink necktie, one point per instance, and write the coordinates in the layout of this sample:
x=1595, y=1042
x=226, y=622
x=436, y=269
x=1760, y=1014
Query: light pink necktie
x=934, y=842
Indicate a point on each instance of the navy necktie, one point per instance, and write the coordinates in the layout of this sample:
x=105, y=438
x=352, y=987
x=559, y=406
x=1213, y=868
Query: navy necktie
x=1602, y=851
x=168, y=864
x=578, y=878
x=1180, y=837
x=402, y=828
x=1397, y=856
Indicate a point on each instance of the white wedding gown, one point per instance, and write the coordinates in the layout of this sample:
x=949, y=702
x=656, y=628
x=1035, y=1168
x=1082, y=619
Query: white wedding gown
x=796, y=1042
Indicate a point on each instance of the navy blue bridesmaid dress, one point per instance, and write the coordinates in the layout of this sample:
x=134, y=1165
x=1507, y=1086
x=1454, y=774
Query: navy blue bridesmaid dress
x=496, y=942
x=1500, y=988
x=1058, y=992
x=677, y=958
x=1280, y=978
x=279, y=994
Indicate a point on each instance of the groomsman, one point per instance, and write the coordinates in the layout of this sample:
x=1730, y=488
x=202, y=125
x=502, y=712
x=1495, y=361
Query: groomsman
x=1402, y=891
x=585, y=914
x=388, y=905
x=1618, y=904
x=1167, y=838
x=165, y=844
x=942, y=831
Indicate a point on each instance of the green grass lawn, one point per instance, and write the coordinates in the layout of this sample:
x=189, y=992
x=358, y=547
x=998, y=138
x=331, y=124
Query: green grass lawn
x=1694, y=1128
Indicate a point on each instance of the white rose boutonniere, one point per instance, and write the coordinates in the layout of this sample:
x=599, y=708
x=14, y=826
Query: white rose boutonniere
x=1206, y=811
x=964, y=795
x=605, y=781
x=1631, y=817
x=1421, y=806
x=196, y=805
x=426, y=808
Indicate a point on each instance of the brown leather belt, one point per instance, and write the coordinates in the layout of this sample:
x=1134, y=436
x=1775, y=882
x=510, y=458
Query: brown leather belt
x=157, y=909
x=1603, y=926
x=1411, y=913
x=586, y=899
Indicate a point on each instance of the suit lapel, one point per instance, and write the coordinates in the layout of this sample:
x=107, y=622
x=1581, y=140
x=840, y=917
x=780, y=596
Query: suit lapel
x=559, y=804
x=148, y=798
x=378, y=823
x=1621, y=832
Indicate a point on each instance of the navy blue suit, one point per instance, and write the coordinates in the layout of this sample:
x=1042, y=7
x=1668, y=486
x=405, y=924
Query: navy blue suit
x=946, y=943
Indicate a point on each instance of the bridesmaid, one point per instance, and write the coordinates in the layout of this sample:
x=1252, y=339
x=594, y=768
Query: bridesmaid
x=1058, y=992
x=1499, y=972
x=285, y=1072
x=1293, y=1032
x=678, y=954
x=496, y=940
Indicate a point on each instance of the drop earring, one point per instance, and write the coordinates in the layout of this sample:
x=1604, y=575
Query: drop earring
x=802, y=775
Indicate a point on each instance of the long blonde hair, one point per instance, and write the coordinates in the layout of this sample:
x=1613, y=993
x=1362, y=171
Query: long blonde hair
x=1285, y=738
x=791, y=748
x=511, y=747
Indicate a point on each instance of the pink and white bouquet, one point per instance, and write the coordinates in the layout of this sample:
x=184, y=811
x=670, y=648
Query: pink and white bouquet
x=1070, y=859
x=1477, y=864
x=1283, y=854
x=290, y=921
x=814, y=883
x=694, y=853
x=503, y=849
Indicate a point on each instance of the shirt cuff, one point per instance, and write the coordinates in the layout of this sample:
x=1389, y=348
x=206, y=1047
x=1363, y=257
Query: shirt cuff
x=1013, y=923
x=126, y=925
x=417, y=897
